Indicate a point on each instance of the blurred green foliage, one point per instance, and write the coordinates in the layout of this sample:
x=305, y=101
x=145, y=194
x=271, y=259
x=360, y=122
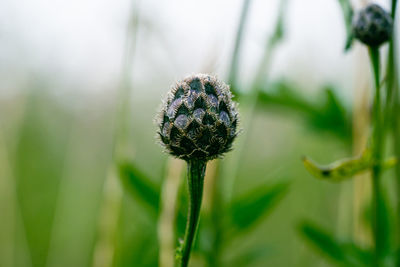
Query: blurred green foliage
x=60, y=166
x=60, y=157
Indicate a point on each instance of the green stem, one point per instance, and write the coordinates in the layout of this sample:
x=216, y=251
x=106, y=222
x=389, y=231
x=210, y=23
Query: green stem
x=196, y=171
x=377, y=143
x=212, y=258
x=376, y=196
x=396, y=137
x=238, y=42
x=393, y=109
x=393, y=9
x=273, y=41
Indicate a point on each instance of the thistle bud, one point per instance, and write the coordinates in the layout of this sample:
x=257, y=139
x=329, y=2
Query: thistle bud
x=198, y=120
x=373, y=26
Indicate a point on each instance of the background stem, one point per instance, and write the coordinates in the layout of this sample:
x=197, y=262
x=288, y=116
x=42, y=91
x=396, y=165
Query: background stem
x=377, y=145
x=238, y=41
x=121, y=148
x=392, y=111
x=213, y=257
x=196, y=171
x=166, y=221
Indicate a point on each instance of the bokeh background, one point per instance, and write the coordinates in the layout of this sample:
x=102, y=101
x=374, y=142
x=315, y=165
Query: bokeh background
x=81, y=82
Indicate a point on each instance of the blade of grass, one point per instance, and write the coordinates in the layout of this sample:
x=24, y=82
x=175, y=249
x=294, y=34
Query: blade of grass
x=322, y=241
x=139, y=185
x=121, y=147
x=378, y=141
x=12, y=222
x=249, y=208
x=347, y=11
x=343, y=254
x=234, y=66
x=391, y=114
x=166, y=222
x=249, y=103
x=75, y=219
x=216, y=190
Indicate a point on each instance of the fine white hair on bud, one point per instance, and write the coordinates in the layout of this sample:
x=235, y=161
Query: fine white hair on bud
x=198, y=119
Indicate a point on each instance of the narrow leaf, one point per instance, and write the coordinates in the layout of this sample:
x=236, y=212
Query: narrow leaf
x=248, y=209
x=332, y=114
x=251, y=257
x=348, y=12
x=140, y=186
x=323, y=242
x=357, y=256
x=326, y=114
x=344, y=254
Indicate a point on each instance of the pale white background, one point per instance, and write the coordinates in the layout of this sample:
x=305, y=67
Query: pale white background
x=81, y=42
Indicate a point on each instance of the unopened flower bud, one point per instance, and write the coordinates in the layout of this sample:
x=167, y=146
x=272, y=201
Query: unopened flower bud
x=373, y=26
x=198, y=120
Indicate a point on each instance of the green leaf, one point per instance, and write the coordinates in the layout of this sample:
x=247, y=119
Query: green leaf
x=331, y=114
x=348, y=12
x=283, y=94
x=140, y=186
x=357, y=256
x=344, y=254
x=323, y=241
x=251, y=257
x=328, y=113
x=249, y=208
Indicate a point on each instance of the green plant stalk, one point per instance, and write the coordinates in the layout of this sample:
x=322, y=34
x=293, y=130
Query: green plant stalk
x=393, y=8
x=238, y=42
x=213, y=257
x=377, y=146
x=113, y=195
x=249, y=100
x=196, y=172
x=396, y=137
x=390, y=75
x=272, y=42
x=392, y=111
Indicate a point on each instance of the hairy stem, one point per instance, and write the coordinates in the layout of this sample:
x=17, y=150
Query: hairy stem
x=377, y=144
x=196, y=171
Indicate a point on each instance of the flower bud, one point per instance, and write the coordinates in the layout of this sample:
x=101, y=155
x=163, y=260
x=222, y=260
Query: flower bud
x=373, y=26
x=198, y=120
